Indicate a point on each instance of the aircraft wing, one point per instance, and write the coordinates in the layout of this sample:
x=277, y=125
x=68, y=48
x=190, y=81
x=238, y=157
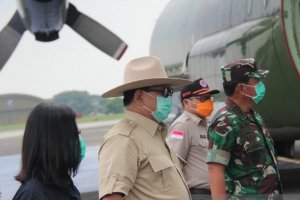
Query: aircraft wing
x=10, y=36
x=95, y=33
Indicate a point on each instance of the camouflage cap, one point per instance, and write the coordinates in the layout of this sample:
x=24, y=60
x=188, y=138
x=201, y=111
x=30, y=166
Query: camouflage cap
x=235, y=70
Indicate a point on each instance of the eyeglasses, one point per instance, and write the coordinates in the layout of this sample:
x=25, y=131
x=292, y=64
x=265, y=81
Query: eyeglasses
x=166, y=92
x=203, y=98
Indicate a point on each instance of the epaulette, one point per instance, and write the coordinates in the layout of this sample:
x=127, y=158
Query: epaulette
x=221, y=112
x=225, y=113
x=124, y=127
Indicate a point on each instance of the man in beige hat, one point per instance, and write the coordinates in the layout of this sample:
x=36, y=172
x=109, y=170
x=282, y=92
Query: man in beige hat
x=134, y=160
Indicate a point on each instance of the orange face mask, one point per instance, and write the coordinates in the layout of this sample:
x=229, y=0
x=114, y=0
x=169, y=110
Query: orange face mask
x=204, y=109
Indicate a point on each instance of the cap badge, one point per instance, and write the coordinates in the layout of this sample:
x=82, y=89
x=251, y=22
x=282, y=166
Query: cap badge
x=203, y=83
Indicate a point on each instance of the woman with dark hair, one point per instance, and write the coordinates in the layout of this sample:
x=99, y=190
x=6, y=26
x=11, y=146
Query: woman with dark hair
x=51, y=153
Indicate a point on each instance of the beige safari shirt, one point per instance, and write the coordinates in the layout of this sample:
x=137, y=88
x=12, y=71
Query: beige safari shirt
x=135, y=160
x=188, y=138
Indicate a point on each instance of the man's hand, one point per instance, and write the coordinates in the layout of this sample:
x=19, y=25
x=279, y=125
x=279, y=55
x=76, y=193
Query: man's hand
x=114, y=196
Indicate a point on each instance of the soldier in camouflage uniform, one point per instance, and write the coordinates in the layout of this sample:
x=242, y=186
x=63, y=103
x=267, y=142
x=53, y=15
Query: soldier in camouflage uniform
x=241, y=156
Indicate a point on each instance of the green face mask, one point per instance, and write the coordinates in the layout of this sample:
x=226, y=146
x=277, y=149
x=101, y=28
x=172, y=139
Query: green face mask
x=260, y=90
x=82, y=148
x=163, y=108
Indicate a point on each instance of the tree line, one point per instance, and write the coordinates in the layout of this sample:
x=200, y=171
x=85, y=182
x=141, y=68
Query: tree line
x=84, y=103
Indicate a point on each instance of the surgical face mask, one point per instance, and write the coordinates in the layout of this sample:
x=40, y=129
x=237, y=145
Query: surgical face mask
x=260, y=90
x=82, y=148
x=163, y=107
x=204, y=109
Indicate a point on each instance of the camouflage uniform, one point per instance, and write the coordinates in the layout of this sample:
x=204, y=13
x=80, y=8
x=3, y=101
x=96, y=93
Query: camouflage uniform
x=244, y=146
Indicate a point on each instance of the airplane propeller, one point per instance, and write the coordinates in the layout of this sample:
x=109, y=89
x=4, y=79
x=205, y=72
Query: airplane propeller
x=10, y=37
x=45, y=19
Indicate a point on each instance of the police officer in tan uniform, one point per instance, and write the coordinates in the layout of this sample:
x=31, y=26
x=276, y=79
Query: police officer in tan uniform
x=188, y=136
x=134, y=160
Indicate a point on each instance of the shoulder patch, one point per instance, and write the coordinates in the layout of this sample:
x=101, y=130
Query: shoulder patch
x=177, y=134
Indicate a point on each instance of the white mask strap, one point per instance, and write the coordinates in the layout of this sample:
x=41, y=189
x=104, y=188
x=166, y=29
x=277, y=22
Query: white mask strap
x=149, y=94
x=247, y=85
x=247, y=95
x=147, y=108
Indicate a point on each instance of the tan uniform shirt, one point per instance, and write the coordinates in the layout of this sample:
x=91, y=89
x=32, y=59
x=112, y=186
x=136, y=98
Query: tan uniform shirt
x=188, y=138
x=135, y=160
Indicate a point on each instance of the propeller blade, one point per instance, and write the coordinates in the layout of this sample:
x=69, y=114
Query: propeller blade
x=10, y=36
x=95, y=33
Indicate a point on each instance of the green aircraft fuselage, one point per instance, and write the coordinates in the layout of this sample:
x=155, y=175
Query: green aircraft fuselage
x=193, y=38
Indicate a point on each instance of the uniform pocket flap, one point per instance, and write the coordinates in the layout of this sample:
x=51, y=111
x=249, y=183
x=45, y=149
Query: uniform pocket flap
x=253, y=148
x=159, y=163
x=203, y=142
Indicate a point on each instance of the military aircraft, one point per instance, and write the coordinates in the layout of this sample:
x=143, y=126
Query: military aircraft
x=194, y=38
x=45, y=18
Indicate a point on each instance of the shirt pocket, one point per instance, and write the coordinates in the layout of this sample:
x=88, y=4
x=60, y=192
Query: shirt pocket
x=254, y=157
x=165, y=171
x=202, y=140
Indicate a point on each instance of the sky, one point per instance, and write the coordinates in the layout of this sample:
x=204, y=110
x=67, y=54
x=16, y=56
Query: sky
x=71, y=63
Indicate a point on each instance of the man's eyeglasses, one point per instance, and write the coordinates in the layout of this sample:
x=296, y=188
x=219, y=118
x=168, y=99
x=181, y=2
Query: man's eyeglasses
x=203, y=98
x=166, y=92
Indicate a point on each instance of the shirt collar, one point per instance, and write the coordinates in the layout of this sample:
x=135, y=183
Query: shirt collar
x=149, y=125
x=197, y=120
x=230, y=104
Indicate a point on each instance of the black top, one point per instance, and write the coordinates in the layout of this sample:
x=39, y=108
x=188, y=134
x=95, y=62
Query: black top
x=34, y=189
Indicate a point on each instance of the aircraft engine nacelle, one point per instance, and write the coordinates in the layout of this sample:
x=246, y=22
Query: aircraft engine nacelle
x=44, y=18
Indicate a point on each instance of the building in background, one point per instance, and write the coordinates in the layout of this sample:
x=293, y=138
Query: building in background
x=15, y=108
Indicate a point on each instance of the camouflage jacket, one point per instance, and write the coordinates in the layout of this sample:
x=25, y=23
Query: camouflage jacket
x=244, y=146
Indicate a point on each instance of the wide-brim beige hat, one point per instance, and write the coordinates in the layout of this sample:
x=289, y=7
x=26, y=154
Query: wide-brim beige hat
x=144, y=72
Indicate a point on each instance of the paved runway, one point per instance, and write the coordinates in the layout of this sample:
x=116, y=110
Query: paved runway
x=87, y=178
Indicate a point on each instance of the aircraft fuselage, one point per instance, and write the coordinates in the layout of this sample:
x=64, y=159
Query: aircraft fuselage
x=194, y=38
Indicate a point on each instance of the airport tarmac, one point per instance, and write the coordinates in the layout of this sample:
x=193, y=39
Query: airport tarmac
x=87, y=177
x=86, y=180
